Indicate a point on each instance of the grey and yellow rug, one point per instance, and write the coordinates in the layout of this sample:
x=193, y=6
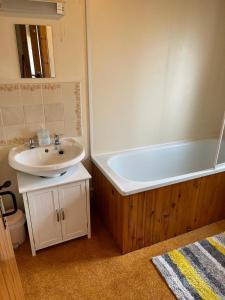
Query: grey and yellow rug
x=196, y=271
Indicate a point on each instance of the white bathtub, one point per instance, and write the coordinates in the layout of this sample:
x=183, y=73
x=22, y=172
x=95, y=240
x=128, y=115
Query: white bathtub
x=152, y=167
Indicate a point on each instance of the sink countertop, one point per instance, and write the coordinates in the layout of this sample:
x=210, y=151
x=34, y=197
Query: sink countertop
x=28, y=183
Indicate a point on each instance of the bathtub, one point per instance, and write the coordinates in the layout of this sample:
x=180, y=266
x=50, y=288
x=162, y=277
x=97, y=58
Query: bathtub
x=149, y=195
x=143, y=169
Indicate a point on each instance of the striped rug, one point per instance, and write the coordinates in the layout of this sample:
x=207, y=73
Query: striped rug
x=196, y=271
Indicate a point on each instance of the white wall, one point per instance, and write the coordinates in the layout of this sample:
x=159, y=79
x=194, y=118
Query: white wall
x=157, y=71
x=69, y=43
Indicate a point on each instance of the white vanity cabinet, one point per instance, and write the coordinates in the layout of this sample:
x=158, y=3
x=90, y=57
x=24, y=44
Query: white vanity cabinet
x=57, y=211
x=42, y=211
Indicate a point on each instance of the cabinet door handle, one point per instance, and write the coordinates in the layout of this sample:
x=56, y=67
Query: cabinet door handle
x=62, y=214
x=57, y=215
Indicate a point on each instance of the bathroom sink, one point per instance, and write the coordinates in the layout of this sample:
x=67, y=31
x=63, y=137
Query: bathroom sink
x=47, y=161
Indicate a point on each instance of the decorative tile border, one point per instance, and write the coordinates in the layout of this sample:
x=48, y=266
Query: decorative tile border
x=51, y=86
x=17, y=141
x=9, y=87
x=26, y=128
x=2, y=142
x=30, y=87
x=78, y=108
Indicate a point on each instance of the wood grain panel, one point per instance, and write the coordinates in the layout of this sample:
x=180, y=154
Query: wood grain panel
x=10, y=283
x=149, y=217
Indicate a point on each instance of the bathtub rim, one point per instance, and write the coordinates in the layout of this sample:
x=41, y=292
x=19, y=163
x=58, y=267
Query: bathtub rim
x=128, y=187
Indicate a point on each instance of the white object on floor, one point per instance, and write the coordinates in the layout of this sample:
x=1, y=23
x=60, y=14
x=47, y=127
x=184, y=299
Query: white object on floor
x=57, y=209
x=16, y=227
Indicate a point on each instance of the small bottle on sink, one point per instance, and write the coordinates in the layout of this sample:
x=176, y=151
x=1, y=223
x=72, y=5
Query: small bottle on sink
x=43, y=137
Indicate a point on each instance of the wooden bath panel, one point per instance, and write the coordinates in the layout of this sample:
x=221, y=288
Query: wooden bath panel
x=149, y=217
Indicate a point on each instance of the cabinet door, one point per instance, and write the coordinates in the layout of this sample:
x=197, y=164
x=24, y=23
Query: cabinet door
x=73, y=207
x=10, y=283
x=44, y=213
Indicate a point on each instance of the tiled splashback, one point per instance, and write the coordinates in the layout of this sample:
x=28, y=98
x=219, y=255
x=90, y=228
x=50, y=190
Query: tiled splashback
x=25, y=107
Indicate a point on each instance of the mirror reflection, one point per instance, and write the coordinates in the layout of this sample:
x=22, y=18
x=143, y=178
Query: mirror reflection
x=35, y=51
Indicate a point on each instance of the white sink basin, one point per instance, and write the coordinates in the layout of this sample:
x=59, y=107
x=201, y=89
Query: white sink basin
x=47, y=161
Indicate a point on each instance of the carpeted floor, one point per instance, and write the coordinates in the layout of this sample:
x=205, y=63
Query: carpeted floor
x=94, y=269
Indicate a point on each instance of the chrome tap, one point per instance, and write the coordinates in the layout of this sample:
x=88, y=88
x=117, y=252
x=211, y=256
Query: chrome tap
x=56, y=140
x=31, y=143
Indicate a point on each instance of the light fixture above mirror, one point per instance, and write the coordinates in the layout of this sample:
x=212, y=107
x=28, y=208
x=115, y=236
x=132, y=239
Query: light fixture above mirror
x=35, y=51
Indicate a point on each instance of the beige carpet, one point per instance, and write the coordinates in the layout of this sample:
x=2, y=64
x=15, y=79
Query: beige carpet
x=94, y=269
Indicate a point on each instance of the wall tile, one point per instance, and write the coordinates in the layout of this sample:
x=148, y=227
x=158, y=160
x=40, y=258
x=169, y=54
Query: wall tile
x=78, y=108
x=68, y=93
x=72, y=107
x=10, y=94
x=12, y=115
x=1, y=120
x=56, y=127
x=31, y=129
x=52, y=93
x=69, y=110
x=71, y=128
x=31, y=94
x=25, y=107
x=34, y=113
x=68, y=90
x=54, y=112
x=15, y=134
x=2, y=137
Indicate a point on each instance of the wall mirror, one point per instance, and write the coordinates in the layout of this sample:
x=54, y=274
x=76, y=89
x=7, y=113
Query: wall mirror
x=35, y=51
